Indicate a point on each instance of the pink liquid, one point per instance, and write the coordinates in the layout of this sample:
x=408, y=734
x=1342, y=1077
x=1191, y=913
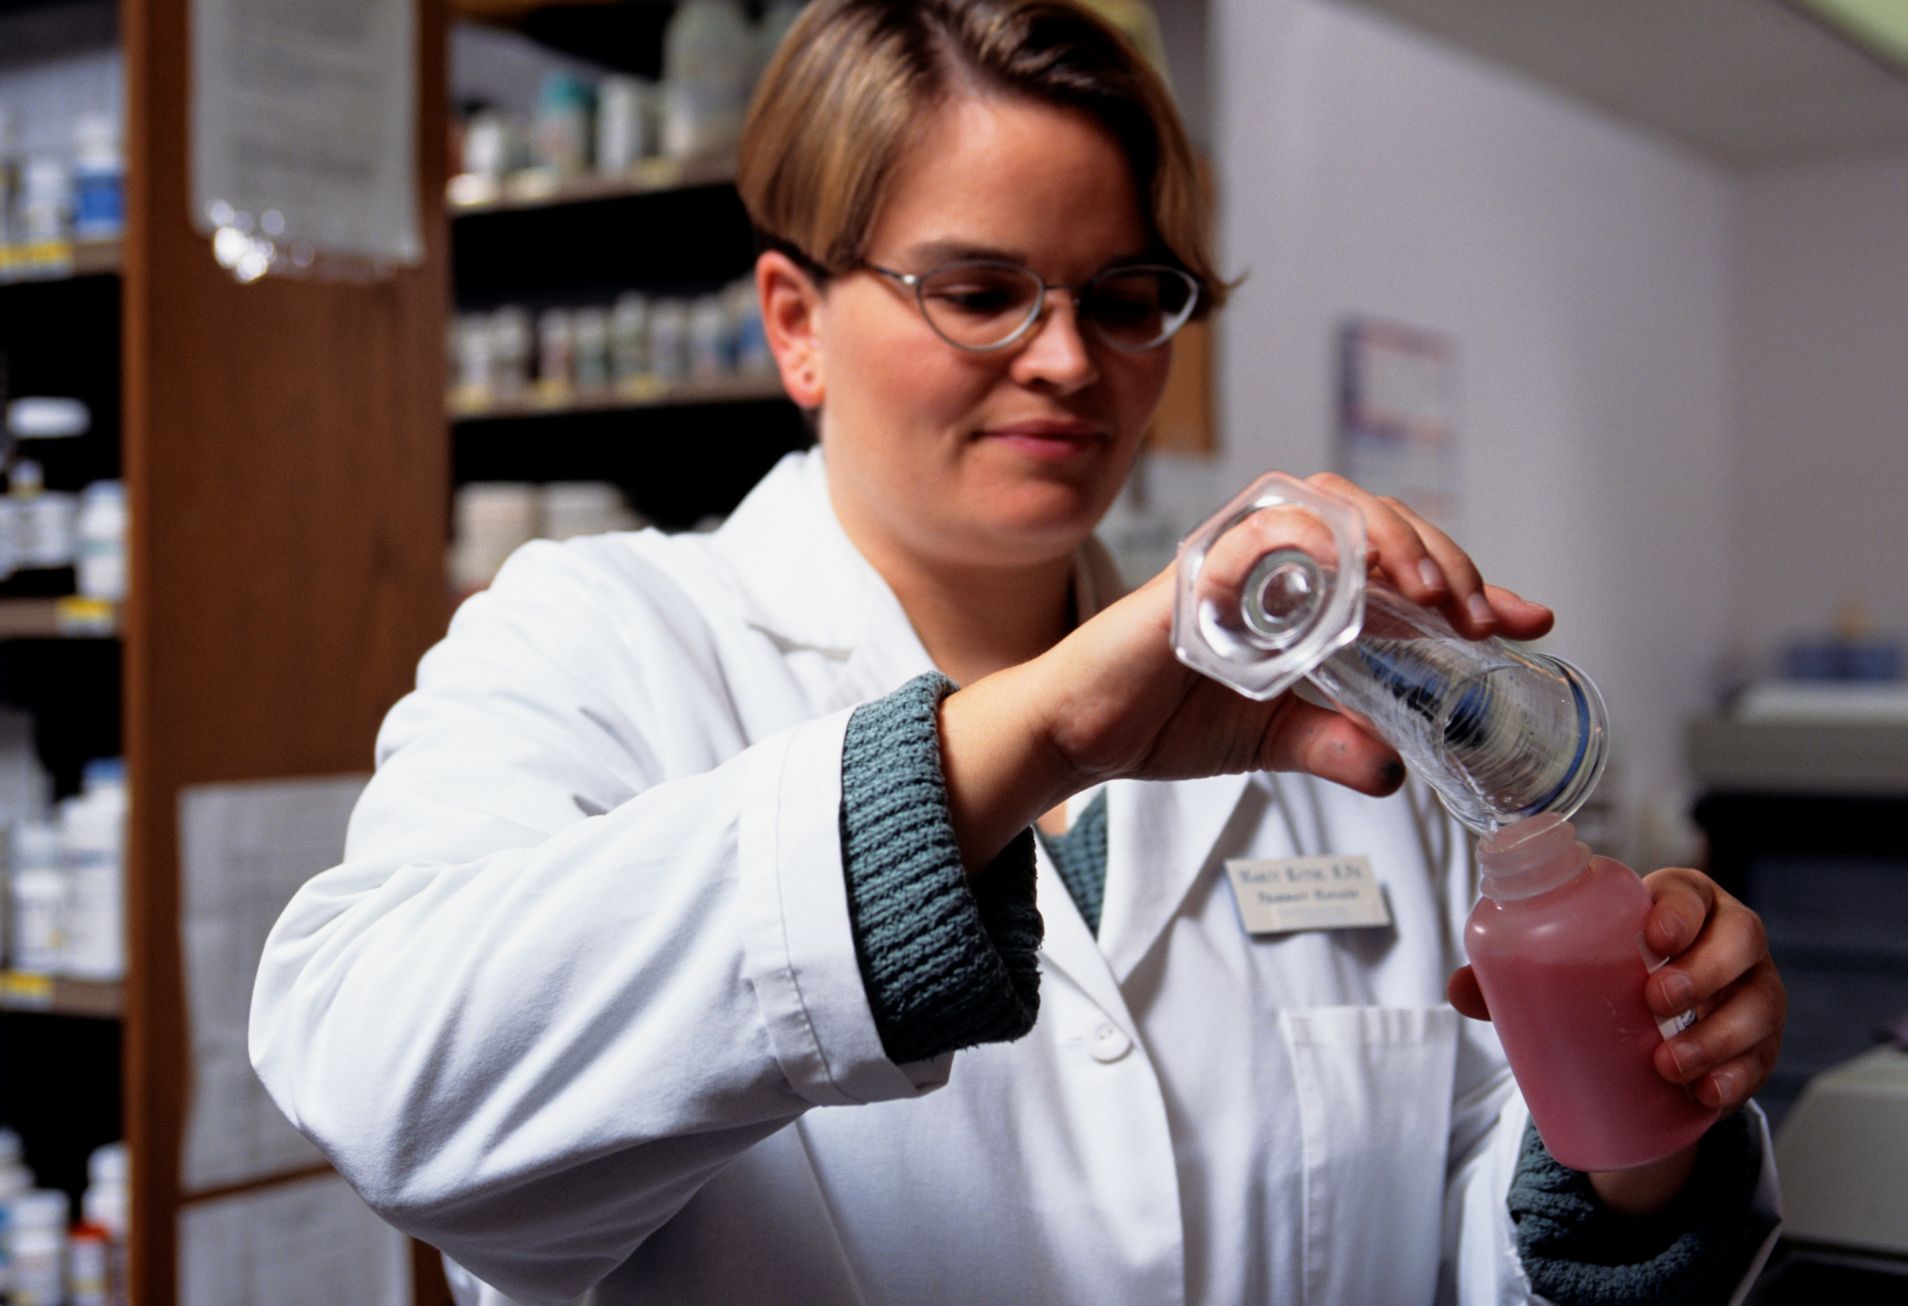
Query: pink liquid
x=1563, y=972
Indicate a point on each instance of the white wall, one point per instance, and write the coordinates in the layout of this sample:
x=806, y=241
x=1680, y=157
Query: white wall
x=1584, y=271
x=1823, y=430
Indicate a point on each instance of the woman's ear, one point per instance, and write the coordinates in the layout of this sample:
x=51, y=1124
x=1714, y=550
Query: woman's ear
x=791, y=319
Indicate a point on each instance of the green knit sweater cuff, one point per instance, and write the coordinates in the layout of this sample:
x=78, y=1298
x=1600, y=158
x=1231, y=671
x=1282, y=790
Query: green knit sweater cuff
x=1577, y=1253
x=948, y=961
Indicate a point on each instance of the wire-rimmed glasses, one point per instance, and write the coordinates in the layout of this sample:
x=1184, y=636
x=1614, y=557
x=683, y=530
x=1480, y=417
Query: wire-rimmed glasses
x=982, y=305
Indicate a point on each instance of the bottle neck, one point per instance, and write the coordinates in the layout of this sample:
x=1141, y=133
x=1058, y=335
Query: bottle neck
x=1527, y=858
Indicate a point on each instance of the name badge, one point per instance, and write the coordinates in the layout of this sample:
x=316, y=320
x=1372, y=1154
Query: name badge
x=1281, y=895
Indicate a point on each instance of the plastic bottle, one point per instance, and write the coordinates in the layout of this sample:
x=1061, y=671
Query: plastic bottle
x=565, y=127
x=43, y=216
x=1556, y=942
x=43, y=520
x=38, y=1243
x=622, y=123
x=590, y=342
x=105, y=1206
x=709, y=64
x=101, y=560
x=89, y=1266
x=556, y=353
x=15, y=1179
x=37, y=888
x=92, y=846
x=629, y=338
x=9, y=190
x=99, y=178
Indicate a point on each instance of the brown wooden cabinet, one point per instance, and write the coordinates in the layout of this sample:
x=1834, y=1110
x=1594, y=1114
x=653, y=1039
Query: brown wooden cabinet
x=286, y=461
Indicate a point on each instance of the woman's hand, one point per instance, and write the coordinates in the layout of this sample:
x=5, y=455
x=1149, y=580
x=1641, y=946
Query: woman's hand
x=1112, y=700
x=1719, y=968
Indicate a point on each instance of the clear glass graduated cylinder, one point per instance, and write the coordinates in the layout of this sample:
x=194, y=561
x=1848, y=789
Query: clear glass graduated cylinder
x=1273, y=590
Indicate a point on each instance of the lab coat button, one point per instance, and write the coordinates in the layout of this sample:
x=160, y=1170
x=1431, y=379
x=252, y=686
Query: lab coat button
x=1108, y=1042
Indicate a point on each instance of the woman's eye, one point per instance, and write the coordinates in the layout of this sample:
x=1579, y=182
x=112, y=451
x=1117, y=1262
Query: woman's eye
x=1125, y=308
x=976, y=298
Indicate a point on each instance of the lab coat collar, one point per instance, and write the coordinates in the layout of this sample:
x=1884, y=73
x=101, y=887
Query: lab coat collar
x=797, y=575
x=801, y=580
x=1160, y=841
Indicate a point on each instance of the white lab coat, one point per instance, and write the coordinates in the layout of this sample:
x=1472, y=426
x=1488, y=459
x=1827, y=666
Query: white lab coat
x=581, y=1007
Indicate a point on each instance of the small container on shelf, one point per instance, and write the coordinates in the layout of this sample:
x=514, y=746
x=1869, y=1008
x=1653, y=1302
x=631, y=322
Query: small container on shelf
x=565, y=124
x=36, y=889
x=42, y=245
x=511, y=349
x=99, y=178
x=709, y=70
x=669, y=339
x=629, y=341
x=37, y=1243
x=625, y=124
x=556, y=356
x=101, y=562
x=492, y=520
x=590, y=363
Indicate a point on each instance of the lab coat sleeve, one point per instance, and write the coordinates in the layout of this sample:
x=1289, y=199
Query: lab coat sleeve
x=558, y=982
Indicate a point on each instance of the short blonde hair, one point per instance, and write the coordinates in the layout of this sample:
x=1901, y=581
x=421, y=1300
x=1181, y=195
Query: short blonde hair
x=844, y=94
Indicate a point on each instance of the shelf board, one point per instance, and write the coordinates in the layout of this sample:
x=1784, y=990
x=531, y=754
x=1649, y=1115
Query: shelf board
x=70, y=617
x=58, y=261
x=469, y=195
x=684, y=394
x=54, y=995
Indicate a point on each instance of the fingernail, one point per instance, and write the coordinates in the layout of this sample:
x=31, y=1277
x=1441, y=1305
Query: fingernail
x=1480, y=609
x=1683, y=1055
x=1679, y=991
x=1431, y=574
x=1723, y=1082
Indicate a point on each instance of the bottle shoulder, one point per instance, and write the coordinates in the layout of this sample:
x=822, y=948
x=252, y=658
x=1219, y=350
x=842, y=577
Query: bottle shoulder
x=1601, y=906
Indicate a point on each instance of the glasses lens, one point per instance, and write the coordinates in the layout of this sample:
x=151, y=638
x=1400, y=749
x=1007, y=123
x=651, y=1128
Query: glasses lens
x=1138, y=308
x=979, y=305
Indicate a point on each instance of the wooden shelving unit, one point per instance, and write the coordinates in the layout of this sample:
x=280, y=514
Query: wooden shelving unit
x=59, y=996
x=757, y=388
x=59, y=262
x=286, y=462
x=468, y=194
x=60, y=618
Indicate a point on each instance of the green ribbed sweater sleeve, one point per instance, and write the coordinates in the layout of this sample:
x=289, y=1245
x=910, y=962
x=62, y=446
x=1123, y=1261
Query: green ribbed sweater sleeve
x=948, y=961
x=1576, y=1253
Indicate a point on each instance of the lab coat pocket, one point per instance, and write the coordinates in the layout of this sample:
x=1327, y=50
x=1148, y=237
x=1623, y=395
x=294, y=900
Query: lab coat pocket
x=1374, y=1098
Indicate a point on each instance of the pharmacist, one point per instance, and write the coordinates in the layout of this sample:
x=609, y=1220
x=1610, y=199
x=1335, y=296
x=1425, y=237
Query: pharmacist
x=697, y=942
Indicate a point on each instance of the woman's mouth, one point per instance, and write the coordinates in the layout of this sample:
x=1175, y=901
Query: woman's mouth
x=1052, y=440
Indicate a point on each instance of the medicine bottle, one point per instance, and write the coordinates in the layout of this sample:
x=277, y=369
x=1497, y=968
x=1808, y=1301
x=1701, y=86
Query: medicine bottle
x=37, y=891
x=38, y=1238
x=92, y=853
x=105, y=1206
x=1556, y=942
x=99, y=178
x=100, y=554
x=709, y=66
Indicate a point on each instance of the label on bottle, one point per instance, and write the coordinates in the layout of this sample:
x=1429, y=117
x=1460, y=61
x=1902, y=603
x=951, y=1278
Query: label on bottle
x=1281, y=895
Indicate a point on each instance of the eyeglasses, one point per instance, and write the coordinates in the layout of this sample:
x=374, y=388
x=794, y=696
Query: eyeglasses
x=982, y=306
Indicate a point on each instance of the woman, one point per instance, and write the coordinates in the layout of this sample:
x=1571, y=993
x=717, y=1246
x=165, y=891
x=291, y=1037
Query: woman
x=685, y=878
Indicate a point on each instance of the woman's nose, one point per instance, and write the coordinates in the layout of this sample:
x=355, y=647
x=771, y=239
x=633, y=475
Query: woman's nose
x=1057, y=354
